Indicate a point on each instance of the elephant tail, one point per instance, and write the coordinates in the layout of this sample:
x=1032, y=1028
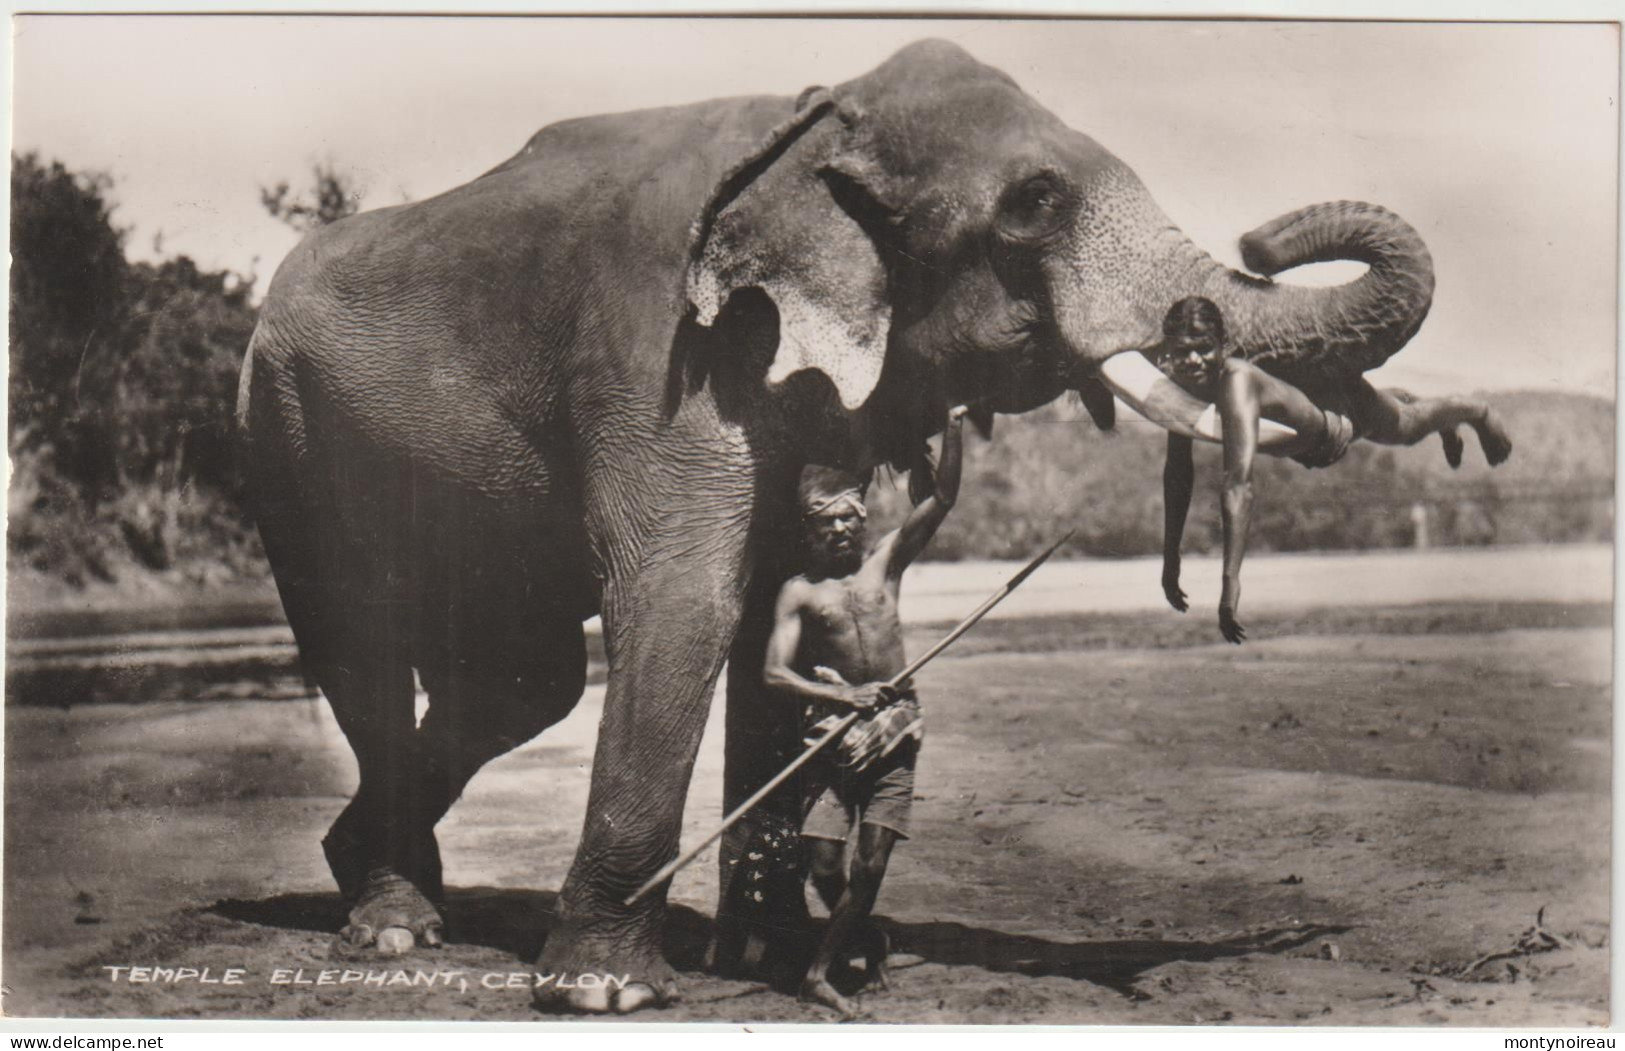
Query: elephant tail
x=245, y=380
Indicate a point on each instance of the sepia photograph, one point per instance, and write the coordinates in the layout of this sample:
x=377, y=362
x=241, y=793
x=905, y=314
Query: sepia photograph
x=955, y=521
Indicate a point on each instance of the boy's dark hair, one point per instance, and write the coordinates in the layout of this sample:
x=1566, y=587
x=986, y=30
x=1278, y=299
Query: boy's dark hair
x=1193, y=312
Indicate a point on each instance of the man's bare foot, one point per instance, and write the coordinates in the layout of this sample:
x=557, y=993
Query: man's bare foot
x=818, y=990
x=1452, y=447
x=879, y=947
x=1496, y=442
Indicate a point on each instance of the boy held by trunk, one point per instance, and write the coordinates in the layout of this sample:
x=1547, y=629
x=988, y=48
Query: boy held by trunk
x=1194, y=353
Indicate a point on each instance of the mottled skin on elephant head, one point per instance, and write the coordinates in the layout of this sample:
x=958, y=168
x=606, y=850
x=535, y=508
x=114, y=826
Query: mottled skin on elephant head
x=586, y=382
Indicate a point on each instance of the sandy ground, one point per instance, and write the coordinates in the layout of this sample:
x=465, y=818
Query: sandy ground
x=1276, y=583
x=1116, y=824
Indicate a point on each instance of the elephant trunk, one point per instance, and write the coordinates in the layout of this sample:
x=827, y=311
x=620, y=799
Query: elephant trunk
x=1345, y=330
x=1127, y=264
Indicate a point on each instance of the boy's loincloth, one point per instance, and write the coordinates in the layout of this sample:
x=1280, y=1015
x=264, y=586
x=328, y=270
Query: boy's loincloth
x=1349, y=403
x=1333, y=443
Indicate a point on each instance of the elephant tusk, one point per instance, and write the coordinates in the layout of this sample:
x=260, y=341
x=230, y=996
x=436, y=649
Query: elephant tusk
x=1140, y=384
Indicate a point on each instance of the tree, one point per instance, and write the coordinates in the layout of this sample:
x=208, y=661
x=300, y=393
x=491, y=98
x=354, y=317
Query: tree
x=69, y=283
x=329, y=199
x=185, y=335
x=123, y=378
x=115, y=367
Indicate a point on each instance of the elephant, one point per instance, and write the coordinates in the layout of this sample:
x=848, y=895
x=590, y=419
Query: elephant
x=586, y=382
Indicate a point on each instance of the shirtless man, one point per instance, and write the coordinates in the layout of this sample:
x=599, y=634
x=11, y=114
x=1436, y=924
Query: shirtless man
x=1192, y=354
x=836, y=640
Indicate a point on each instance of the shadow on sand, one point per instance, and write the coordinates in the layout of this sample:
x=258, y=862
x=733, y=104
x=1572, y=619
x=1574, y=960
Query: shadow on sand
x=516, y=921
x=1114, y=965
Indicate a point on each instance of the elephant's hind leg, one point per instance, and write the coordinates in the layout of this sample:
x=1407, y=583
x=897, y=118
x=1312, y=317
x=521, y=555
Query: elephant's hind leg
x=386, y=868
x=475, y=715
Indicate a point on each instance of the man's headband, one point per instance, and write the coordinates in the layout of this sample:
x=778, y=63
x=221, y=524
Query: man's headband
x=847, y=503
x=829, y=490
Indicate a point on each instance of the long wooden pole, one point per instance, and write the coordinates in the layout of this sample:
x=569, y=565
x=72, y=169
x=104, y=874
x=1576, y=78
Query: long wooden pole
x=673, y=867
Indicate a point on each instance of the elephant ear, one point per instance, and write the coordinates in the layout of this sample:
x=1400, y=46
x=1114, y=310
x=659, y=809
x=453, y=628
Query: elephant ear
x=773, y=223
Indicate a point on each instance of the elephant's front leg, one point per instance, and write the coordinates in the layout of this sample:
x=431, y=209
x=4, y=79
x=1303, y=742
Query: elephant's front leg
x=666, y=631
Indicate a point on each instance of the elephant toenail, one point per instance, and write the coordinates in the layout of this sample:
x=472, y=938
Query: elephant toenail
x=359, y=935
x=592, y=1001
x=392, y=941
x=634, y=997
x=432, y=938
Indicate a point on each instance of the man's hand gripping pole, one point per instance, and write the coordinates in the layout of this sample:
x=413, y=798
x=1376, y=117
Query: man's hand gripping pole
x=673, y=867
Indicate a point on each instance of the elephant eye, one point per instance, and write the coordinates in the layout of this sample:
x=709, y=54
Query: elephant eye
x=1034, y=208
x=1038, y=196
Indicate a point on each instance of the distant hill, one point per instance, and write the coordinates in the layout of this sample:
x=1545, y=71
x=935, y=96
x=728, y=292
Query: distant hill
x=1052, y=470
x=1043, y=473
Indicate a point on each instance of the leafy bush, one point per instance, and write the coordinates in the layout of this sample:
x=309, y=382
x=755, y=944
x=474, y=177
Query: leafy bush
x=122, y=382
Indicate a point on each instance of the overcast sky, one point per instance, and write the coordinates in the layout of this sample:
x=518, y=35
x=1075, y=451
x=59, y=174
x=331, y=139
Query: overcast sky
x=1498, y=142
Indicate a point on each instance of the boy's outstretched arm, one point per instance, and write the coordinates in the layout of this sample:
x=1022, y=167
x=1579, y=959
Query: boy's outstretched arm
x=779, y=675
x=929, y=513
x=1178, y=477
x=1245, y=394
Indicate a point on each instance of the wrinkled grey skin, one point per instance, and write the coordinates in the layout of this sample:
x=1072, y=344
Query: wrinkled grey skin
x=586, y=382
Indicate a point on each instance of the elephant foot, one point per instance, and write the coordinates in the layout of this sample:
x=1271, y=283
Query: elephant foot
x=1496, y=442
x=584, y=981
x=1453, y=447
x=353, y=857
x=392, y=916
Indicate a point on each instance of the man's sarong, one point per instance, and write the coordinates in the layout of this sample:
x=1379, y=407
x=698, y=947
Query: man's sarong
x=870, y=739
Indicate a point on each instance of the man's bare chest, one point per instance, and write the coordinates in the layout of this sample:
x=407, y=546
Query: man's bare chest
x=844, y=608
